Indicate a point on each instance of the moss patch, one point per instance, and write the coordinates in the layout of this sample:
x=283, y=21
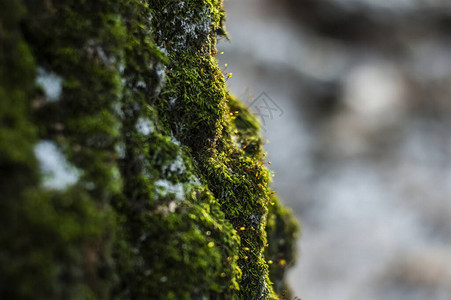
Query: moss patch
x=171, y=195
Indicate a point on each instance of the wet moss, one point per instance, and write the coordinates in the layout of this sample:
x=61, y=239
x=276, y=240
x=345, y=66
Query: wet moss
x=172, y=197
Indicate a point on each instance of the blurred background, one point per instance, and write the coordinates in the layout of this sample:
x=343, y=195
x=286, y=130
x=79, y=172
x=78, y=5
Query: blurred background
x=357, y=114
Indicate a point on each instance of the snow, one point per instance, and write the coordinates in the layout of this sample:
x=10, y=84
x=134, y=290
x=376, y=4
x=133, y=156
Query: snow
x=177, y=166
x=57, y=171
x=165, y=187
x=144, y=126
x=51, y=83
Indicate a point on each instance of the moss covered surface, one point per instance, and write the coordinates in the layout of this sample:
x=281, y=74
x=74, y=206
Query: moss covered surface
x=168, y=196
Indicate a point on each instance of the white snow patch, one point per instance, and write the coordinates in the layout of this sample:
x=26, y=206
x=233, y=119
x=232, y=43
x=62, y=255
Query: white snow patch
x=121, y=68
x=58, y=173
x=172, y=101
x=51, y=83
x=160, y=70
x=161, y=75
x=175, y=141
x=177, y=166
x=141, y=84
x=165, y=186
x=195, y=180
x=120, y=150
x=163, y=49
x=144, y=126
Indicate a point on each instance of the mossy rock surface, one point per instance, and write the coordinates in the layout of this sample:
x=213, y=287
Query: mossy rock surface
x=127, y=170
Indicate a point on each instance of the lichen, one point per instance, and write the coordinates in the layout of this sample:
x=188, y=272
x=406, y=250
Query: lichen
x=171, y=196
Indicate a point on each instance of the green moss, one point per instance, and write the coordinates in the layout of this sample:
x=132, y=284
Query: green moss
x=59, y=242
x=282, y=232
x=172, y=198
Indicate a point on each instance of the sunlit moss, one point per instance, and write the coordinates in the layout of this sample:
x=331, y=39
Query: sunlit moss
x=171, y=198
